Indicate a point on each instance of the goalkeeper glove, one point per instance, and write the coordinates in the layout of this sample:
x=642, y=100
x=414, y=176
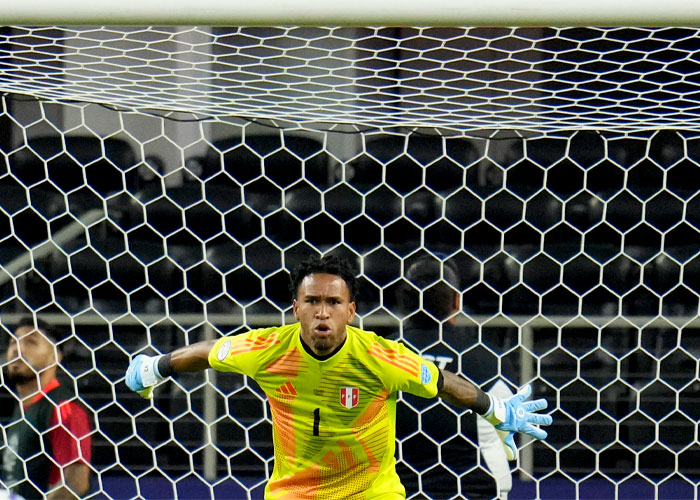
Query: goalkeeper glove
x=515, y=415
x=143, y=375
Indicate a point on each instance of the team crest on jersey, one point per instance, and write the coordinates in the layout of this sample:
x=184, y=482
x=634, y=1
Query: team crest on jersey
x=349, y=396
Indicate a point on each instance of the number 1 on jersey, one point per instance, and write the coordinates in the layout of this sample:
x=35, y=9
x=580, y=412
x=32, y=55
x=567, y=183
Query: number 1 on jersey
x=317, y=420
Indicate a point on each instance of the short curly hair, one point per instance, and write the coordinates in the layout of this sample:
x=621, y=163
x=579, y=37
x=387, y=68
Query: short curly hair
x=54, y=335
x=328, y=264
x=438, y=281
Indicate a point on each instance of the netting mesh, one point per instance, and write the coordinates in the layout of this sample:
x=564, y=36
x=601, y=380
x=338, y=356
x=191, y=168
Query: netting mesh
x=577, y=250
x=457, y=79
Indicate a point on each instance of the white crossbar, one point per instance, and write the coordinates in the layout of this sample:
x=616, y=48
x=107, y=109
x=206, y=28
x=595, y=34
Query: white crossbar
x=358, y=12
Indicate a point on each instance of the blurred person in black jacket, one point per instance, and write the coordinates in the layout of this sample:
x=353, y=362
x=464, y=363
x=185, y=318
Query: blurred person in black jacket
x=459, y=454
x=48, y=440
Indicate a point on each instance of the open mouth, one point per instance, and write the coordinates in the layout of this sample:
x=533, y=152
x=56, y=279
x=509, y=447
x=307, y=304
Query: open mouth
x=322, y=330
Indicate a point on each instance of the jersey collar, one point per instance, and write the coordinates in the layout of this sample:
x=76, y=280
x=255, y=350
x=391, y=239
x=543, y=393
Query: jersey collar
x=44, y=391
x=342, y=347
x=316, y=356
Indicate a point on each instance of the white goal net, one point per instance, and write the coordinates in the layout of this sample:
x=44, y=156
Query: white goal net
x=157, y=185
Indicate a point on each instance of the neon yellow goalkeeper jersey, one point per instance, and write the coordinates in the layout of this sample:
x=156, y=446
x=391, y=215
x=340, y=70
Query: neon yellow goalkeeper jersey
x=334, y=420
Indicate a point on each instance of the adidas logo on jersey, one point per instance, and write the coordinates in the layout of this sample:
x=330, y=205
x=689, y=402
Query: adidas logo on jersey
x=287, y=389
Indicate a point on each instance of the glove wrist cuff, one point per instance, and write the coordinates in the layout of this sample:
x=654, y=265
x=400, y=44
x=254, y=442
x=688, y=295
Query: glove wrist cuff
x=489, y=411
x=156, y=370
x=496, y=413
x=150, y=375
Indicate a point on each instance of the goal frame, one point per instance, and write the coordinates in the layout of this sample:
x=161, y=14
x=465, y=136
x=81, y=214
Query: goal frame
x=187, y=144
x=361, y=12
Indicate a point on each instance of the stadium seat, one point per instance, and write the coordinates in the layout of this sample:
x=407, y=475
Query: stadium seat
x=423, y=207
x=404, y=174
x=445, y=176
x=426, y=149
x=661, y=274
x=364, y=173
x=303, y=200
x=402, y=171
x=584, y=211
x=544, y=211
x=342, y=202
x=14, y=194
x=381, y=267
x=383, y=206
x=262, y=154
x=229, y=155
x=623, y=212
x=621, y=275
x=463, y=208
x=82, y=159
x=146, y=250
x=165, y=215
x=683, y=179
x=582, y=274
x=362, y=234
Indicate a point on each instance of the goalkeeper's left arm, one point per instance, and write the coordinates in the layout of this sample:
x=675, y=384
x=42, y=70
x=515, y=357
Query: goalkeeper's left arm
x=512, y=415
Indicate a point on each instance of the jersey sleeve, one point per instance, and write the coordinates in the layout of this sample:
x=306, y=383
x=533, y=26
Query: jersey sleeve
x=70, y=437
x=70, y=434
x=241, y=353
x=404, y=370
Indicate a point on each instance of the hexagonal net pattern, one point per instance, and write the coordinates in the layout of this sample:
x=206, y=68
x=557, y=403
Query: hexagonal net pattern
x=454, y=79
x=577, y=251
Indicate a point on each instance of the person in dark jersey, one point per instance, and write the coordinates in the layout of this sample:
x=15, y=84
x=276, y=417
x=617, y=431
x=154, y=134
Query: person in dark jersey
x=463, y=456
x=48, y=448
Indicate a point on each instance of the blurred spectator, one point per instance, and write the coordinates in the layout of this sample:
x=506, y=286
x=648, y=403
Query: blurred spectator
x=48, y=448
x=459, y=437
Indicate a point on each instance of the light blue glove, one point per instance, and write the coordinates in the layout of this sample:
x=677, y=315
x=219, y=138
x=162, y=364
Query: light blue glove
x=142, y=375
x=515, y=415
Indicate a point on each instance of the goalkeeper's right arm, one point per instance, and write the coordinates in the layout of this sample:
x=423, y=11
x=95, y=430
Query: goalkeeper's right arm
x=145, y=372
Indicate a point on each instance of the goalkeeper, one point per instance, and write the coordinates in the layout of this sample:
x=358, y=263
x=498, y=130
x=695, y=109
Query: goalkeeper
x=332, y=390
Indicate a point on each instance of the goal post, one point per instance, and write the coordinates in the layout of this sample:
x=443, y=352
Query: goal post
x=361, y=13
x=157, y=184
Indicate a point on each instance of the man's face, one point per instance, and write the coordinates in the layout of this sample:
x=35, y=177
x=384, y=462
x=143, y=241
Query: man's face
x=29, y=353
x=324, y=309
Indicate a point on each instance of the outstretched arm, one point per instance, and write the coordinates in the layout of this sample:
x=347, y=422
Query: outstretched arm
x=145, y=372
x=510, y=415
x=191, y=358
x=462, y=393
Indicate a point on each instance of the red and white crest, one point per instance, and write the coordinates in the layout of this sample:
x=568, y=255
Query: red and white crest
x=349, y=396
